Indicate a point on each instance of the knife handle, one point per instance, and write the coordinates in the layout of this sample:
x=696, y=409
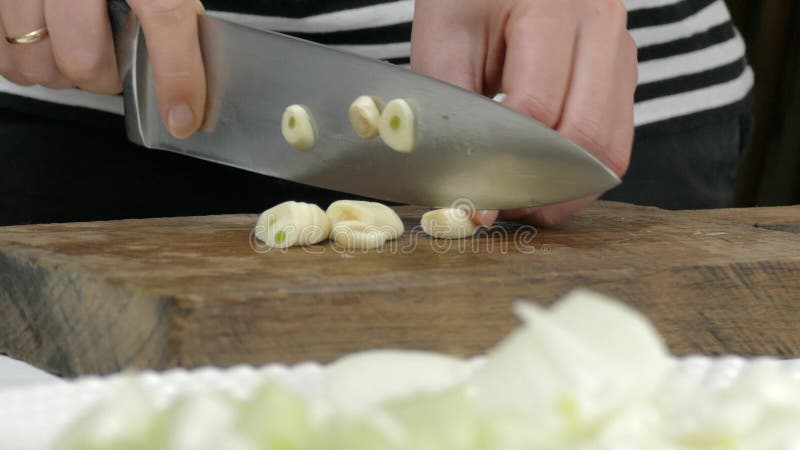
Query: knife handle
x=133, y=70
x=118, y=11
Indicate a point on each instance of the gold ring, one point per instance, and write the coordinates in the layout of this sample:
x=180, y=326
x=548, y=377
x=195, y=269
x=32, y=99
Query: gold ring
x=29, y=38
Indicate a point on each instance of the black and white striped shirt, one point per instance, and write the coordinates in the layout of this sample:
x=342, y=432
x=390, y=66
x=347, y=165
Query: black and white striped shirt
x=692, y=65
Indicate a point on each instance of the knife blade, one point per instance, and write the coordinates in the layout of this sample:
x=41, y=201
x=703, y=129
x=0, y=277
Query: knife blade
x=468, y=147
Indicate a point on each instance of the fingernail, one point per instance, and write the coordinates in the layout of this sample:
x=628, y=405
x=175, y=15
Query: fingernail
x=181, y=121
x=484, y=218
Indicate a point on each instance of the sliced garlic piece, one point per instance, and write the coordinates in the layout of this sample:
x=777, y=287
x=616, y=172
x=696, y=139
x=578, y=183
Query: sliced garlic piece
x=364, y=115
x=370, y=213
x=398, y=126
x=449, y=223
x=293, y=223
x=355, y=235
x=297, y=127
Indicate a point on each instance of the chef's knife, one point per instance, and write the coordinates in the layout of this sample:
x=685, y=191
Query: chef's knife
x=468, y=147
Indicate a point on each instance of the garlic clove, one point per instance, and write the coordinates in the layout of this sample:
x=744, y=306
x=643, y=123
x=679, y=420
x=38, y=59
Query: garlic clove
x=293, y=223
x=355, y=235
x=397, y=126
x=370, y=213
x=297, y=127
x=449, y=223
x=364, y=115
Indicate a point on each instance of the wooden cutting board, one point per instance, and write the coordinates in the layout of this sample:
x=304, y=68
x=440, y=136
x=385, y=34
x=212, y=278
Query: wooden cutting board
x=99, y=297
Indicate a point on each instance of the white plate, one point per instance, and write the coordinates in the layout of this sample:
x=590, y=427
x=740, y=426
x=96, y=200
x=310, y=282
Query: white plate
x=32, y=417
x=15, y=373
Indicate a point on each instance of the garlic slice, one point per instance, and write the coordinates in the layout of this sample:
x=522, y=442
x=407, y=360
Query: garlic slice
x=369, y=213
x=449, y=223
x=364, y=115
x=297, y=127
x=397, y=126
x=293, y=223
x=354, y=235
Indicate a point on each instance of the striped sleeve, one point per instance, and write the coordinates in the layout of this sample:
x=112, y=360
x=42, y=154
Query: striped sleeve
x=691, y=60
x=380, y=30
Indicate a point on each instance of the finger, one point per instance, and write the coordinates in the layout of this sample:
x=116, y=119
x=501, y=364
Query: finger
x=539, y=57
x=549, y=216
x=33, y=62
x=598, y=112
x=540, y=47
x=484, y=218
x=445, y=50
x=453, y=61
x=83, y=46
x=170, y=29
x=448, y=52
x=622, y=140
x=7, y=69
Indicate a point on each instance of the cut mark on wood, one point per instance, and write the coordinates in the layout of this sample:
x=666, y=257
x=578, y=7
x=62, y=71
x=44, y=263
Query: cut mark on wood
x=785, y=227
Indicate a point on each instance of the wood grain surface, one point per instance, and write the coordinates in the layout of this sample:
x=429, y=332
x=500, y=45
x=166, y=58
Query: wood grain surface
x=104, y=296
